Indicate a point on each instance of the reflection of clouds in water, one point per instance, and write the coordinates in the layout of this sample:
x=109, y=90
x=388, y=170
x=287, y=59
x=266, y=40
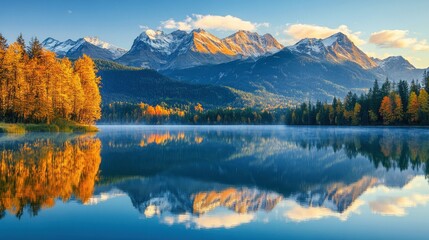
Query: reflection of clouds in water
x=211, y=220
x=104, y=196
x=396, y=206
x=409, y=196
x=379, y=189
x=223, y=221
x=151, y=211
x=298, y=213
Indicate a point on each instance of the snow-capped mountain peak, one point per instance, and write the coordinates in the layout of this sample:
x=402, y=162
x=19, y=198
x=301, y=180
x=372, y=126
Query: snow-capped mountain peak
x=158, y=41
x=116, y=51
x=50, y=42
x=397, y=62
x=152, y=34
x=248, y=43
x=336, y=48
x=60, y=48
x=310, y=46
x=398, y=68
x=73, y=49
x=180, y=49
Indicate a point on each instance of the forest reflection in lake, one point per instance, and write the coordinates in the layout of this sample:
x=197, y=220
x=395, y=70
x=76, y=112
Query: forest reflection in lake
x=190, y=182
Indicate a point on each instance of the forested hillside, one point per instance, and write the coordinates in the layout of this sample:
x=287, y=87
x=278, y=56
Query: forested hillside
x=144, y=85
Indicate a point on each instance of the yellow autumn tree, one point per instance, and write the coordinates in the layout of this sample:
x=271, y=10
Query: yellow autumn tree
x=356, y=114
x=398, y=110
x=413, y=108
x=85, y=68
x=423, y=99
x=386, y=111
x=14, y=96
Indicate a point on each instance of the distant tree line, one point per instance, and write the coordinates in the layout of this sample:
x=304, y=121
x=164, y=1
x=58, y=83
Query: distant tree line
x=37, y=87
x=122, y=112
x=391, y=104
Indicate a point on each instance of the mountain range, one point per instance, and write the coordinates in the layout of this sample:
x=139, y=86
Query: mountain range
x=258, y=65
x=91, y=46
x=179, y=49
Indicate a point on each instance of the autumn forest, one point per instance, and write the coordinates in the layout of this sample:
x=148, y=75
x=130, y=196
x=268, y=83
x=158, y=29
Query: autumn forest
x=38, y=87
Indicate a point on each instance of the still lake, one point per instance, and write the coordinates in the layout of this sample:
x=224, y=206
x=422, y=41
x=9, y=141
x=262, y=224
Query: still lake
x=216, y=182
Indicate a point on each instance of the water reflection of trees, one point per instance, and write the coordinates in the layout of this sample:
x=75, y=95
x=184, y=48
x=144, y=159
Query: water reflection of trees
x=390, y=148
x=34, y=174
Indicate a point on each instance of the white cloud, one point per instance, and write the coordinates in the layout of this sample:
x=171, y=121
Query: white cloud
x=264, y=25
x=286, y=42
x=422, y=45
x=216, y=22
x=397, y=39
x=300, y=31
x=184, y=25
x=144, y=27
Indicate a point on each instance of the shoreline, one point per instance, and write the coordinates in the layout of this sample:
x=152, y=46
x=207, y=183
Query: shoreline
x=56, y=127
x=262, y=125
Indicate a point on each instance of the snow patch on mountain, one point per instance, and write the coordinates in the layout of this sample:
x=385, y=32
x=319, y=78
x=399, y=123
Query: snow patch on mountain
x=69, y=46
x=330, y=40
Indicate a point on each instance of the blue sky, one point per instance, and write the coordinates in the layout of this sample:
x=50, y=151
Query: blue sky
x=381, y=28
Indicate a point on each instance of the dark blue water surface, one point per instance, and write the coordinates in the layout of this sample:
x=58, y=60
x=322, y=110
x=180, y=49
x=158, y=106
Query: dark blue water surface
x=232, y=182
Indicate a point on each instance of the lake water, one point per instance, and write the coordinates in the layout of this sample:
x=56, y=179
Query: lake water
x=232, y=182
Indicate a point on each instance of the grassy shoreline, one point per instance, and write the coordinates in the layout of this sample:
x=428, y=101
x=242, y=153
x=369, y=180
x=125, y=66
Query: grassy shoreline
x=56, y=126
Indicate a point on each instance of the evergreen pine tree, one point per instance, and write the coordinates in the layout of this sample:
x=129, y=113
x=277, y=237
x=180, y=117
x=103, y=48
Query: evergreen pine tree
x=21, y=42
x=403, y=91
x=426, y=80
x=3, y=43
x=35, y=48
x=386, y=88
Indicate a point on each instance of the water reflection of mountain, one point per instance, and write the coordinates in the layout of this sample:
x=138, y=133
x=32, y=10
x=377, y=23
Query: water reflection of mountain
x=190, y=172
x=37, y=169
x=251, y=169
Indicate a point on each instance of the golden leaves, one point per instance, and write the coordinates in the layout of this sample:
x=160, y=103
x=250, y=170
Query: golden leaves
x=37, y=173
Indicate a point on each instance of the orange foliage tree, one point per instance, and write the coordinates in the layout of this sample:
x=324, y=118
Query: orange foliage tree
x=413, y=108
x=386, y=111
x=37, y=173
x=36, y=86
